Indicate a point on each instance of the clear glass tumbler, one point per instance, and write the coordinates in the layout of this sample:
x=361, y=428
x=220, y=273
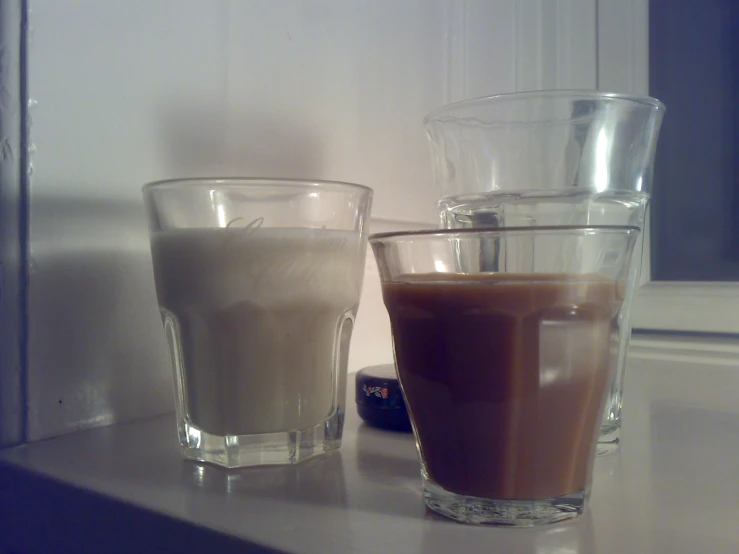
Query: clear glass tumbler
x=505, y=344
x=549, y=158
x=258, y=282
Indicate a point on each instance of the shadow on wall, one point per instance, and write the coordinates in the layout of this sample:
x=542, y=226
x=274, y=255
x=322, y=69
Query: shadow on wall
x=97, y=352
x=208, y=141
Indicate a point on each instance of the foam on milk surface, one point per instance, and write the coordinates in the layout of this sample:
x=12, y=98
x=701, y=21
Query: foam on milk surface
x=259, y=313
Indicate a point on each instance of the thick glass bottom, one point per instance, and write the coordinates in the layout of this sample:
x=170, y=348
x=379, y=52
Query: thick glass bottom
x=508, y=513
x=609, y=439
x=289, y=447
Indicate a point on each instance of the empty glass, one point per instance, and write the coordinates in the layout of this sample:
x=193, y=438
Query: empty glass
x=505, y=343
x=258, y=282
x=549, y=158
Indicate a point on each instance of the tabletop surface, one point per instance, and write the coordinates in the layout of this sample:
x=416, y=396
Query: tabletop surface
x=672, y=487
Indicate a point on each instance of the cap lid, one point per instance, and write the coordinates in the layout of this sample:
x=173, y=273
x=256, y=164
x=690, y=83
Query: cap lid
x=380, y=401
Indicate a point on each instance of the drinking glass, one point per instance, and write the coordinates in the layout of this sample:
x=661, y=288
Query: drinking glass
x=505, y=343
x=258, y=281
x=563, y=157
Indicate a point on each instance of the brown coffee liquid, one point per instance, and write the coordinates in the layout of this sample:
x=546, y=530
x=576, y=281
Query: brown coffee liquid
x=505, y=377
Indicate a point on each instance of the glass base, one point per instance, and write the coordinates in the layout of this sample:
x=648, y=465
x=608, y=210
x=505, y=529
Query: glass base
x=609, y=439
x=509, y=513
x=289, y=447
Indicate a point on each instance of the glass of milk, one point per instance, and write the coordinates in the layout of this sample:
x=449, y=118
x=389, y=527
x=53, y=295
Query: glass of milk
x=258, y=282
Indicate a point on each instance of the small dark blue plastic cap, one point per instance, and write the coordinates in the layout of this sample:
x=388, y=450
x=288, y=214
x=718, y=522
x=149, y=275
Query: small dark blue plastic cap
x=380, y=401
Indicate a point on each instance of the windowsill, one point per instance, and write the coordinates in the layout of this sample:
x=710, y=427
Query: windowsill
x=686, y=348
x=687, y=307
x=125, y=488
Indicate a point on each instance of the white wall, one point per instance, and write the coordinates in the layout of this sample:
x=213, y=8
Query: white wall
x=129, y=91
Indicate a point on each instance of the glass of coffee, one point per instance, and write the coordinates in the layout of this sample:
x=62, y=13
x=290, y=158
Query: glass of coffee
x=562, y=157
x=258, y=281
x=505, y=343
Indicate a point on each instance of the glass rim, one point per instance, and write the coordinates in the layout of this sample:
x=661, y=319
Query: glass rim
x=576, y=94
x=492, y=231
x=249, y=182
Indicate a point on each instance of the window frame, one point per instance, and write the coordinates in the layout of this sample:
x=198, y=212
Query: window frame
x=623, y=66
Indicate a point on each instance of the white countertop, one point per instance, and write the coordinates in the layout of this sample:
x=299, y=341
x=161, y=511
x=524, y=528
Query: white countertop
x=673, y=487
